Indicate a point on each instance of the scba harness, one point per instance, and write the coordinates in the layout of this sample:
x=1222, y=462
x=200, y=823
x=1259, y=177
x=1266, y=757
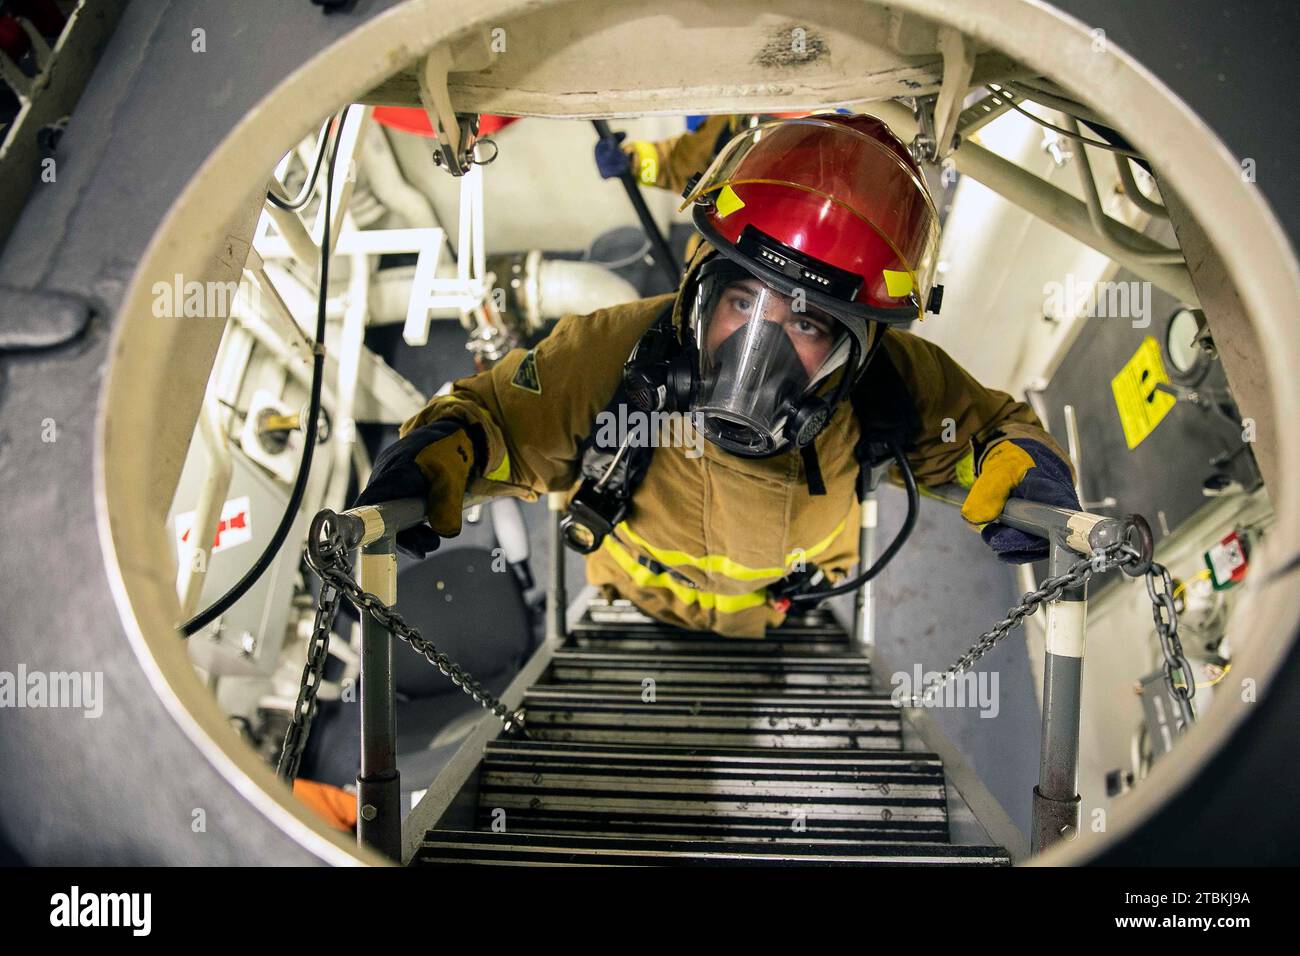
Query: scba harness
x=658, y=376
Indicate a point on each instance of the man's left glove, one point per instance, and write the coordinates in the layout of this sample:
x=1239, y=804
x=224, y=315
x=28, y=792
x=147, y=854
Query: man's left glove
x=431, y=463
x=611, y=160
x=1017, y=468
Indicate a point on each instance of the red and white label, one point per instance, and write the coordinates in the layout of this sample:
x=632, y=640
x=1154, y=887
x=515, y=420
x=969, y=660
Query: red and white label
x=1228, y=561
x=235, y=527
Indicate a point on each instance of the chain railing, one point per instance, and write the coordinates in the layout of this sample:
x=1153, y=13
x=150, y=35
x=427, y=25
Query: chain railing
x=1081, y=545
x=331, y=538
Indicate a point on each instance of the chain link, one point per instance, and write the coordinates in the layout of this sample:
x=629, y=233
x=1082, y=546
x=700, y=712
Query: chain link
x=1075, y=576
x=332, y=566
x=1178, y=673
x=392, y=621
x=329, y=560
x=313, y=673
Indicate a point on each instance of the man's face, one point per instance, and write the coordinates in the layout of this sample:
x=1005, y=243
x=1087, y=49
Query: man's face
x=811, y=333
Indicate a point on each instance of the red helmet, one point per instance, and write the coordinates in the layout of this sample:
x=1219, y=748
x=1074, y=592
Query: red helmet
x=832, y=204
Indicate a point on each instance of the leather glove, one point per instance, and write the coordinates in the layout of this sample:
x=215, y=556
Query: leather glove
x=610, y=158
x=1017, y=468
x=433, y=463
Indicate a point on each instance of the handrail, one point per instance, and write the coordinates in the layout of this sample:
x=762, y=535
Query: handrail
x=1082, y=532
x=1056, y=803
x=373, y=529
x=1070, y=534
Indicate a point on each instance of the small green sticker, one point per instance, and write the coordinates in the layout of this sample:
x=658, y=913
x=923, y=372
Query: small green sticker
x=525, y=376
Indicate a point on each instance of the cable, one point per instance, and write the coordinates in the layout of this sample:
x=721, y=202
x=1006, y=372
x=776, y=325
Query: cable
x=1199, y=575
x=293, y=205
x=241, y=412
x=1099, y=143
x=1211, y=683
x=223, y=603
x=663, y=254
x=913, y=508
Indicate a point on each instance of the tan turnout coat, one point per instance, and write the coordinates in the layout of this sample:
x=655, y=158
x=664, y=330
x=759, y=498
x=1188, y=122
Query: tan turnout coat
x=707, y=533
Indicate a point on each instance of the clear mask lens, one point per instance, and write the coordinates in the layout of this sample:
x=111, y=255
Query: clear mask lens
x=760, y=351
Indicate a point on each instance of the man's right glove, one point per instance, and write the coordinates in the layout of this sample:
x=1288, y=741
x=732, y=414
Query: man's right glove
x=610, y=158
x=432, y=463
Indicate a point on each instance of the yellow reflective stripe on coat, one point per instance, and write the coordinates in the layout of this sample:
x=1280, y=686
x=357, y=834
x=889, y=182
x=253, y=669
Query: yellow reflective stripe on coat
x=647, y=162
x=643, y=577
x=725, y=566
x=502, y=471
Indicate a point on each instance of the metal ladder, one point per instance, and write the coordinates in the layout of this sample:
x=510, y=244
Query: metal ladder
x=656, y=746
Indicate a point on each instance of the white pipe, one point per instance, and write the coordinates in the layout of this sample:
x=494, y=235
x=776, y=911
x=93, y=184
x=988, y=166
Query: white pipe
x=463, y=220
x=473, y=181
x=207, y=511
x=350, y=342
x=566, y=287
x=345, y=178
x=294, y=233
x=390, y=186
x=552, y=288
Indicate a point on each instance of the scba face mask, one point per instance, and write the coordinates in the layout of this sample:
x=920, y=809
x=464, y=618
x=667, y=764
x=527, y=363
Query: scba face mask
x=763, y=356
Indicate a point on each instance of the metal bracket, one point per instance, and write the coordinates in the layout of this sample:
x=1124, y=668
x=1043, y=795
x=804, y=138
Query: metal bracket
x=937, y=116
x=982, y=112
x=1142, y=248
x=457, y=132
x=958, y=68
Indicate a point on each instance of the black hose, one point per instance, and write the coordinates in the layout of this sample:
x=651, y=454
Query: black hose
x=913, y=508
x=304, y=194
x=663, y=253
x=223, y=603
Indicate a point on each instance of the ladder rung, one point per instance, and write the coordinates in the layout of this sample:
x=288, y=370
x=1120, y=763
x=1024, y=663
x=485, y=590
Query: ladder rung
x=450, y=846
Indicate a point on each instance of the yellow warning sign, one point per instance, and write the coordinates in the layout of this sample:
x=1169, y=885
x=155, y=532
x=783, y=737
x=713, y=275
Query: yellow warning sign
x=1141, y=406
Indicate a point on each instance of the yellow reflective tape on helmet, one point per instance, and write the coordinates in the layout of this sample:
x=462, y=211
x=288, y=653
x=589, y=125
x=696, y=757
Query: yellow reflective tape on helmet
x=728, y=202
x=645, y=578
x=898, y=284
x=722, y=565
x=502, y=471
x=647, y=162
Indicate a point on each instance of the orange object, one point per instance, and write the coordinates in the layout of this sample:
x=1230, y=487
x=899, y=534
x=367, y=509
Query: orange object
x=336, y=806
x=410, y=119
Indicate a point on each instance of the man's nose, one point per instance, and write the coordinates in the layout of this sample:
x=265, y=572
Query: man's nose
x=778, y=311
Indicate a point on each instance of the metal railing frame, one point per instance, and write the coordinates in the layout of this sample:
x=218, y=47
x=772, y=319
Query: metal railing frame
x=1070, y=535
x=1056, y=802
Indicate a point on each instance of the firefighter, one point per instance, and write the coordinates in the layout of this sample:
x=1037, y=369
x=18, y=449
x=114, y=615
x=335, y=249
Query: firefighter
x=784, y=348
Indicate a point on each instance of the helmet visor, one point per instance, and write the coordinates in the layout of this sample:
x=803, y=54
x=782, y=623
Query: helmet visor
x=849, y=169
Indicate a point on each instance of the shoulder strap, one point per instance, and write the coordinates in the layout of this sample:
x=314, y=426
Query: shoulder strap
x=637, y=461
x=885, y=410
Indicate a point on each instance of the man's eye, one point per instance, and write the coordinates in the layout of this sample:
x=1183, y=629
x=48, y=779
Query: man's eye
x=810, y=328
x=741, y=303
